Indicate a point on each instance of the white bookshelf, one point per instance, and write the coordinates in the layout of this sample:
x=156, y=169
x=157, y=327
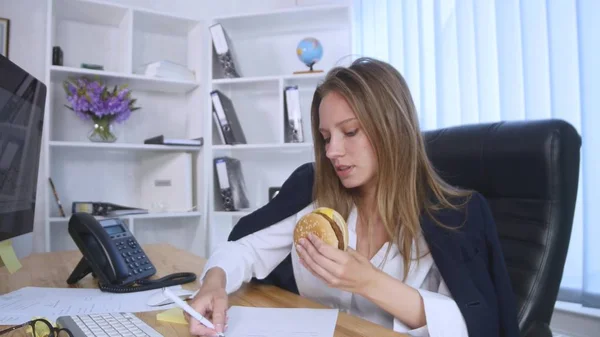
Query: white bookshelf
x=123, y=38
x=134, y=81
x=264, y=49
x=132, y=217
x=240, y=80
x=232, y=213
x=286, y=147
x=121, y=146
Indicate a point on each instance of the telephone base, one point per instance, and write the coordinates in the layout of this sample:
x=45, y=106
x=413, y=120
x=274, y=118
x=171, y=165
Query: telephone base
x=81, y=270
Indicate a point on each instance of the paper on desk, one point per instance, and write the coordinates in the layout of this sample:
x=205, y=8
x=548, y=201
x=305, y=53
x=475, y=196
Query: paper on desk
x=13, y=319
x=52, y=303
x=276, y=322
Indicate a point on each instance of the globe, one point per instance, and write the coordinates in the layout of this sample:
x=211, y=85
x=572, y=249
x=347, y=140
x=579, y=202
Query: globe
x=309, y=51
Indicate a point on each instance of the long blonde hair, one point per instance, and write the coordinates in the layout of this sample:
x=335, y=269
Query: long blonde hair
x=407, y=184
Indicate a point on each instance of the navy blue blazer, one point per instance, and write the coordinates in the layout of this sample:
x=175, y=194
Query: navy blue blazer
x=469, y=259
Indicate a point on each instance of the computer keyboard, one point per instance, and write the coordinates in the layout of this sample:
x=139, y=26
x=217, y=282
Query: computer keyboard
x=107, y=325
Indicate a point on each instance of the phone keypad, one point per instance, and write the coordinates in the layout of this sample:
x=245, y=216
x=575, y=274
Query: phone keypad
x=136, y=259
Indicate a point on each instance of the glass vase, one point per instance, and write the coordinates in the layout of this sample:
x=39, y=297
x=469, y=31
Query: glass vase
x=103, y=131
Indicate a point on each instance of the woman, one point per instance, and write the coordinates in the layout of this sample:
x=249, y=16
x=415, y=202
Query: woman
x=371, y=166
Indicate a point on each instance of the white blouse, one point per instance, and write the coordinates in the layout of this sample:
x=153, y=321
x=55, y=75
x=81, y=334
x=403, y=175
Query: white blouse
x=257, y=254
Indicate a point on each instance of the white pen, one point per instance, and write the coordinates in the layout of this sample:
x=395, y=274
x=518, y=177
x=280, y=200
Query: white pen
x=180, y=303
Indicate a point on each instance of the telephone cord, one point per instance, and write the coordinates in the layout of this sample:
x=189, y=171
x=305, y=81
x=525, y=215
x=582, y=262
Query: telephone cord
x=146, y=284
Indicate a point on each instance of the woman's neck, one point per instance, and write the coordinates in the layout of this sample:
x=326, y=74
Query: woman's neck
x=367, y=199
x=369, y=227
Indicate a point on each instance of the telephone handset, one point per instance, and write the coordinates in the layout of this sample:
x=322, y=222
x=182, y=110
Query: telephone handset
x=112, y=254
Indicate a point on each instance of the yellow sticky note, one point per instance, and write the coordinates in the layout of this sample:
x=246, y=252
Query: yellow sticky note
x=174, y=315
x=8, y=256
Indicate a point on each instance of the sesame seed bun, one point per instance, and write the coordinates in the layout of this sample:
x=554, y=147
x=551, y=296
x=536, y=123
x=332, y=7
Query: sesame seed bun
x=326, y=224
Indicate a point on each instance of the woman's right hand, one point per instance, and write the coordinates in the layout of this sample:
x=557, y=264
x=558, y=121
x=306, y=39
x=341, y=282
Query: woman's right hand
x=210, y=302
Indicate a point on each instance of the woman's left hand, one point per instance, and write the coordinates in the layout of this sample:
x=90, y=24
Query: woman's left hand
x=345, y=270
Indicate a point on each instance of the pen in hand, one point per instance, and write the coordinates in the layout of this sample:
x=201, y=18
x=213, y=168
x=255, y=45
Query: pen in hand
x=187, y=308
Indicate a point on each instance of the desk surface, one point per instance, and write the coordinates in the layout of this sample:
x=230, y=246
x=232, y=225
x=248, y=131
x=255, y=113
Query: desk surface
x=52, y=270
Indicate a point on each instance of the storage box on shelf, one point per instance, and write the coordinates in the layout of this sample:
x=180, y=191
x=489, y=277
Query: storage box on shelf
x=123, y=39
x=263, y=46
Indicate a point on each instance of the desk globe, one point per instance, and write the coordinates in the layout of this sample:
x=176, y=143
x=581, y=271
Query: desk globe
x=309, y=51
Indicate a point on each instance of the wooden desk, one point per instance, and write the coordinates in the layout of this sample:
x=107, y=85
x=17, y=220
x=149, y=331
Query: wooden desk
x=52, y=270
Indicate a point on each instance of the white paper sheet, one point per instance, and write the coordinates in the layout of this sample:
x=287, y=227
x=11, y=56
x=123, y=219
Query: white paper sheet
x=277, y=322
x=13, y=319
x=22, y=305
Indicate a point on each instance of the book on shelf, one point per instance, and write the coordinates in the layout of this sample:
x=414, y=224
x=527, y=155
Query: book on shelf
x=224, y=51
x=166, y=69
x=231, y=185
x=226, y=119
x=161, y=140
x=292, y=115
x=99, y=208
x=92, y=66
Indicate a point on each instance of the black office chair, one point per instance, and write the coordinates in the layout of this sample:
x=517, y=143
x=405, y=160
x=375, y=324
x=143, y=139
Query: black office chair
x=528, y=171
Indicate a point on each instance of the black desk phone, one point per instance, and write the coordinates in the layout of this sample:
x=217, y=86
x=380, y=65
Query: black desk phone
x=112, y=254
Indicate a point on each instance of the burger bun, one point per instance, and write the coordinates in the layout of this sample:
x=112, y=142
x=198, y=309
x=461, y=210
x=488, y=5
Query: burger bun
x=326, y=224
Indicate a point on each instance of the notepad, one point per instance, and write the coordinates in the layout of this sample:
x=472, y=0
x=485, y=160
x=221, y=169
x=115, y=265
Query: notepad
x=173, y=315
x=8, y=257
x=277, y=322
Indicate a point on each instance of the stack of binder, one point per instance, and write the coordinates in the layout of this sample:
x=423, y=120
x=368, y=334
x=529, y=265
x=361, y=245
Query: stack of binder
x=293, y=117
x=161, y=140
x=100, y=208
x=231, y=184
x=224, y=115
x=223, y=51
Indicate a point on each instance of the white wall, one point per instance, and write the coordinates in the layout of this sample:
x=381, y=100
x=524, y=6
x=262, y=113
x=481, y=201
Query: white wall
x=189, y=8
x=206, y=8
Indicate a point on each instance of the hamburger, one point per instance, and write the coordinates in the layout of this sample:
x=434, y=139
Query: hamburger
x=326, y=224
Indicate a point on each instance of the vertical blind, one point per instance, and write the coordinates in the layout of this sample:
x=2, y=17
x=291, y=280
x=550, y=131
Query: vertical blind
x=472, y=61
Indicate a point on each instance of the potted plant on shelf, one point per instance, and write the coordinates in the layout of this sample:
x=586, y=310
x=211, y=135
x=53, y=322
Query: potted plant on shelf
x=93, y=100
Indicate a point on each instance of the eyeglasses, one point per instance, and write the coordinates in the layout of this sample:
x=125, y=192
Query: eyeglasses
x=40, y=328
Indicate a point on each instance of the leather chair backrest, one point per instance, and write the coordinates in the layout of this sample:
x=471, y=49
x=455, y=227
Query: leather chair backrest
x=529, y=172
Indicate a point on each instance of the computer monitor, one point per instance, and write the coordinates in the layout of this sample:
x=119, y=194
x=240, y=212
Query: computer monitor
x=22, y=103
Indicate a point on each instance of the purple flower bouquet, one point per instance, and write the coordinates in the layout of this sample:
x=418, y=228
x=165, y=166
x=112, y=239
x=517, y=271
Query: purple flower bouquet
x=92, y=100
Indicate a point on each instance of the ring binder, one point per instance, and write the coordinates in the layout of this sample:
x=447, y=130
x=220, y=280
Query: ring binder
x=224, y=51
x=231, y=184
x=226, y=117
x=293, y=116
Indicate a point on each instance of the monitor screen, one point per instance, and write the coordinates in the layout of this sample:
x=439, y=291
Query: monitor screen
x=22, y=102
